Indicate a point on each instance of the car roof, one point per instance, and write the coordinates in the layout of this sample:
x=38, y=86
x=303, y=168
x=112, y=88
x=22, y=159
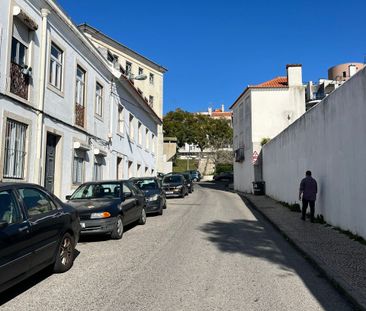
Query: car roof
x=16, y=184
x=143, y=178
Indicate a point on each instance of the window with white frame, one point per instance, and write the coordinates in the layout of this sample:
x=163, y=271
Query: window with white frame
x=99, y=99
x=80, y=86
x=18, y=52
x=151, y=101
x=98, y=168
x=151, y=78
x=56, y=66
x=14, y=152
x=141, y=71
x=140, y=132
x=121, y=119
x=147, y=141
x=131, y=127
x=128, y=68
x=78, y=167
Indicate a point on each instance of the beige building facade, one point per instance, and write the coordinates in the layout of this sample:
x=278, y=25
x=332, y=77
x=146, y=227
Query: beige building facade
x=133, y=65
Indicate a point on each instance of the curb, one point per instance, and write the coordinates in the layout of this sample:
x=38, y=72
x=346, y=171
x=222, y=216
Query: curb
x=339, y=285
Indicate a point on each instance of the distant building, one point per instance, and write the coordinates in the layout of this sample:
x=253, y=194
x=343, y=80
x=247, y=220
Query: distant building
x=263, y=111
x=337, y=75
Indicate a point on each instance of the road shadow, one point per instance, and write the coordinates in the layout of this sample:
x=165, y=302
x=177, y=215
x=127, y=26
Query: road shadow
x=28, y=283
x=258, y=239
x=216, y=185
x=89, y=238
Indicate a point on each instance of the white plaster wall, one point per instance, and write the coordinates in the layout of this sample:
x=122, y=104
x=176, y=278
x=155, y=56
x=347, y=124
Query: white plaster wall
x=328, y=140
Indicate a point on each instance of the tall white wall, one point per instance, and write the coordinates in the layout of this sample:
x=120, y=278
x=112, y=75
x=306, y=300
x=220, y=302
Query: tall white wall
x=329, y=141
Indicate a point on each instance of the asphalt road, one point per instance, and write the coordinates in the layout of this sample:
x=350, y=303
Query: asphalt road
x=207, y=252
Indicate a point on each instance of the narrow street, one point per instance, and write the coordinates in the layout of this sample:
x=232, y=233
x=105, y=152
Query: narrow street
x=207, y=252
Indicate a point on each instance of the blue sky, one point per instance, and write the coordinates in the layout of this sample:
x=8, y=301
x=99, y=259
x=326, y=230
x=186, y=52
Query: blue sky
x=214, y=49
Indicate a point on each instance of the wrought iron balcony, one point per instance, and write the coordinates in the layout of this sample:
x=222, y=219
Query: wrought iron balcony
x=79, y=115
x=19, y=81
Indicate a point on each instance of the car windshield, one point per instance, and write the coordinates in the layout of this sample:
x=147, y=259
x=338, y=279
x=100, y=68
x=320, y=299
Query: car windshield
x=146, y=184
x=100, y=190
x=172, y=179
x=187, y=176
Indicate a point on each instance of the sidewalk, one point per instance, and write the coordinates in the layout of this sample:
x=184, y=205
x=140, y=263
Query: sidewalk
x=342, y=260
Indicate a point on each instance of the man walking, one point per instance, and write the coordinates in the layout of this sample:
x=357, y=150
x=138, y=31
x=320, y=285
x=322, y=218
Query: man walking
x=307, y=192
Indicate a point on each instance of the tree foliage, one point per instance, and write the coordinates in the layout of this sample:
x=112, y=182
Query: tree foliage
x=197, y=129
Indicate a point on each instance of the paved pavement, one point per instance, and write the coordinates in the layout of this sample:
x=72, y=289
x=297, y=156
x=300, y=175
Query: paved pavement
x=209, y=251
x=342, y=260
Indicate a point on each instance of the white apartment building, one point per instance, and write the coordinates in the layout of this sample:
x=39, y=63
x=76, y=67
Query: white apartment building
x=132, y=64
x=263, y=111
x=67, y=115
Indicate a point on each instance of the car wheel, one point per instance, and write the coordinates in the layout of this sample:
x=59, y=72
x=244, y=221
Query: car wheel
x=161, y=211
x=117, y=232
x=142, y=219
x=164, y=207
x=65, y=254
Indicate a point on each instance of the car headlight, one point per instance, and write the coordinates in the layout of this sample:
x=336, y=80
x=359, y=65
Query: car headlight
x=153, y=198
x=179, y=187
x=100, y=215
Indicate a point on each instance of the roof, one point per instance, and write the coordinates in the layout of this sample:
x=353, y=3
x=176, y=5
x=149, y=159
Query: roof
x=117, y=45
x=221, y=114
x=275, y=83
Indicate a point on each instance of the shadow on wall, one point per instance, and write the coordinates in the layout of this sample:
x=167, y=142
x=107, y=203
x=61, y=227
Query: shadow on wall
x=258, y=239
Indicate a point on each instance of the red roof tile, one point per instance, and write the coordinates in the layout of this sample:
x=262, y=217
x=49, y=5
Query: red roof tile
x=221, y=114
x=274, y=83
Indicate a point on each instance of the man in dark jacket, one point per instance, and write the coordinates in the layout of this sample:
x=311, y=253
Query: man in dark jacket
x=307, y=192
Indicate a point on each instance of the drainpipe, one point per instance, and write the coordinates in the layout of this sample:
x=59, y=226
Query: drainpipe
x=38, y=167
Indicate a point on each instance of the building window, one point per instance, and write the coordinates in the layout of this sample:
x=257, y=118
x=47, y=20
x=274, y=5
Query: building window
x=78, y=167
x=138, y=170
x=153, y=143
x=139, y=133
x=151, y=101
x=128, y=68
x=151, y=78
x=98, y=168
x=56, y=63
x=121, y=119
x=19, y=70
x=99, y=99
x=344, y=74
x=130, y=169
x=131, y=128
x=141, y=71
x=80, y=97
x=14, y=153
x=147, y=142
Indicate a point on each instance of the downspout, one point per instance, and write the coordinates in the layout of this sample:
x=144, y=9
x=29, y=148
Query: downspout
x=38, y=167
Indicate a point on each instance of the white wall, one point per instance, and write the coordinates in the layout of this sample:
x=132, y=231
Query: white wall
x=329, y=141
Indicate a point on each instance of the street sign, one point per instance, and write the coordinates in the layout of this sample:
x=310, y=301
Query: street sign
x=254, y=157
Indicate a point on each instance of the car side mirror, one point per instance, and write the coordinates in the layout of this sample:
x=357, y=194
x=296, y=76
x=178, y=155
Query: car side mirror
x=3, y=224
x=68, y=197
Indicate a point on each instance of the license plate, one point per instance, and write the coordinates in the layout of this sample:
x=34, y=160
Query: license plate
x=169, y=192
x=82, y=224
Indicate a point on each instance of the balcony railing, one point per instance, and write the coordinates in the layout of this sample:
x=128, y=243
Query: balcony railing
x=79, y=115
x=19, y=82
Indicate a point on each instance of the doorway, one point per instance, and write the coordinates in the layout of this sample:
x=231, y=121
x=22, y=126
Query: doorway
x=49, y=182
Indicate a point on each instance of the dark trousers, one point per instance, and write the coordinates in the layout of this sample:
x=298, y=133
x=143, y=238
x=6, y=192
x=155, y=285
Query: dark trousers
x=305, y=204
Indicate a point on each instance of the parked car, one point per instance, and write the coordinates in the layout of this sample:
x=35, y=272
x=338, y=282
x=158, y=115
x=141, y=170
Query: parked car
x=175, y=185
x=195, y=175
x=36, y=230
x=224, y=176
x=154, y=193
x=105, y=207
x=160, y=175
x=189, y=181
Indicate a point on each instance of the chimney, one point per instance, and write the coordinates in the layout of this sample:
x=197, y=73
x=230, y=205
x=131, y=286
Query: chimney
x=222, y=108
x=294, y=74
x=352, y=70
